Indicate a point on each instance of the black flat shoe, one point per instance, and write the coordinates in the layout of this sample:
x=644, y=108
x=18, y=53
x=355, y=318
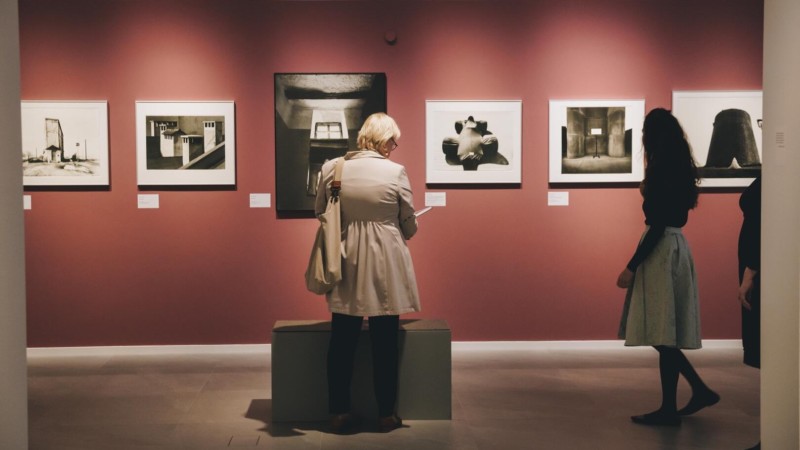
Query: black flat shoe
x=698, y=402
x=658, y=419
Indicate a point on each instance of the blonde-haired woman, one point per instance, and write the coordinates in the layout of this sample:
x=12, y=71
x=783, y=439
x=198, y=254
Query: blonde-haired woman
x=378, y=278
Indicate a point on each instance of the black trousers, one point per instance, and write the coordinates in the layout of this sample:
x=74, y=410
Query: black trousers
x=383, y=332
x=751, y=326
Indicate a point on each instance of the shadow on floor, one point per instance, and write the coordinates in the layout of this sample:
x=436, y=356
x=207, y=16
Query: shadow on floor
x=261, y=409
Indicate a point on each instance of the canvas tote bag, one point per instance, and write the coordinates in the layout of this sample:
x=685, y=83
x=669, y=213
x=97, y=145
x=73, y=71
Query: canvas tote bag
x=324, y=269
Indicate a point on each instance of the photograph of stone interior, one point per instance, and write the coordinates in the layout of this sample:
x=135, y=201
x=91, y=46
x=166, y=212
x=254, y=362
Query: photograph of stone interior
x=596, y=140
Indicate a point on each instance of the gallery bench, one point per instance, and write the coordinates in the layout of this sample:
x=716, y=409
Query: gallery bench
x=300, y=387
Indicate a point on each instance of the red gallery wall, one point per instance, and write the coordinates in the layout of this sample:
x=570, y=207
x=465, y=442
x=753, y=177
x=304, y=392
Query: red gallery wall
x=496, y=263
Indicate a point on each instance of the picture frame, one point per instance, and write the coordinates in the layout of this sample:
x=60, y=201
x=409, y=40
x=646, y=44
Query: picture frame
x=317, y=118
x=65, y=143
x=473, y=141
x=724, y=130
x=596, y=141
x=185, y=143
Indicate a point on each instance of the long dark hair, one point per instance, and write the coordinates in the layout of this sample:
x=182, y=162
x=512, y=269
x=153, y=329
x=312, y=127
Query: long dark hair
x=670, y=164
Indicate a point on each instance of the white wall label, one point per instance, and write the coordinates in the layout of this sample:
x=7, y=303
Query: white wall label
x=436, y=199
x=260, y=200
x=148, y=201
x=780, y=139
x=26, y=202
x=557, y=198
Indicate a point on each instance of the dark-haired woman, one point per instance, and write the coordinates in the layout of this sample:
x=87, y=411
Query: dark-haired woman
x=661, y=306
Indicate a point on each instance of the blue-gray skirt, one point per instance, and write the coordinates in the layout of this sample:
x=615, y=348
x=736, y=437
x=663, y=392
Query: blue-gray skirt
x=662, y=305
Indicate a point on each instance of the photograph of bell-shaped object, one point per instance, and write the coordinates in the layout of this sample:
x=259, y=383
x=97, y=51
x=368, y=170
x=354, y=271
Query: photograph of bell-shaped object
x=732, y=138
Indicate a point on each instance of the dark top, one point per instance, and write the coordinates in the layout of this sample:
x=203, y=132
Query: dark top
x=750, y=234
x=662, y=208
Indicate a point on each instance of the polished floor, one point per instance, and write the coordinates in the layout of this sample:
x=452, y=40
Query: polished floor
x=516, y=396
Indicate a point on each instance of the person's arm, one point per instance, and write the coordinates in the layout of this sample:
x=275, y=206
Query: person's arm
x=651, y=238
x=750, y=242
x=751, y=259
x=746, y=287
x=407, y=218
x=654, y=211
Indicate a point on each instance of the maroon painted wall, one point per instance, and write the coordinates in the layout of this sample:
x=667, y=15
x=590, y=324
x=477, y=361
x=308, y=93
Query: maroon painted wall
x=496, y=263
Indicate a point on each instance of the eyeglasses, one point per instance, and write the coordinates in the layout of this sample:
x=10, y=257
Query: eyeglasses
x=392, y=144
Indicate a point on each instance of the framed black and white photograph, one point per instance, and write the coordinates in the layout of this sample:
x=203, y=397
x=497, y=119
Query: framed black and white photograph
x=724, y=130
x=65, y=143
x=596, y=141
x=317, y=118
x=185, y=143
x=476, y=141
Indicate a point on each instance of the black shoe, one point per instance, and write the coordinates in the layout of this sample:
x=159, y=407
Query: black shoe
x=658, y=418
x=698, y=402
x=344, y=423
x=389, y=423
x=755, y=447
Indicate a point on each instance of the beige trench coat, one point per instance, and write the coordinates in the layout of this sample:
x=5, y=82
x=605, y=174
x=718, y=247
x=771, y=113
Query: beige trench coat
x=377, y=218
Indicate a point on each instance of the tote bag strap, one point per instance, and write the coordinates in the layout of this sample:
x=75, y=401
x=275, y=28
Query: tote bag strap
x=336, y=184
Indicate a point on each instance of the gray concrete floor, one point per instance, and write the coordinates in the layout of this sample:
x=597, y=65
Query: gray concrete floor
x=503, y=398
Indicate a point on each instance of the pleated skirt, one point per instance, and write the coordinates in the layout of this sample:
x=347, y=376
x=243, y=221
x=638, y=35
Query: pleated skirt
x=662, y=305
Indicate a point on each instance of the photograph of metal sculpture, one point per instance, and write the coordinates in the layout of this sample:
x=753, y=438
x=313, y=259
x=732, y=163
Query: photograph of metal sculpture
x=473, y=141
x=185, y=143
x=596, y=140
x=64, y=143
x=317, y=118
x=724, y=130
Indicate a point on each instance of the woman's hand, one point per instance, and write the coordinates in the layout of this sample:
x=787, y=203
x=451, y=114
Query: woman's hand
x=746, y=287
x=625, y=279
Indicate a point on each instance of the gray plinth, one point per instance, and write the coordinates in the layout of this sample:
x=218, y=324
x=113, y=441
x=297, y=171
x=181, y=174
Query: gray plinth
x=299, y=385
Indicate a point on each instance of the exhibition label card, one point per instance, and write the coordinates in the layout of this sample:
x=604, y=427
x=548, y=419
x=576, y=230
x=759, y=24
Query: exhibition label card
x=148, y=201
x=557, y=198
x=436, y=199
x=260, y=200
x=26, y=202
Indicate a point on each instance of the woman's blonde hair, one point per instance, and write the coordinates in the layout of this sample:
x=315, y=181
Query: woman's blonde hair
x=377, y=130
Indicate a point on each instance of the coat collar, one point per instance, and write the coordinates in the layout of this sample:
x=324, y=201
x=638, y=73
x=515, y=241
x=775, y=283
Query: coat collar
x=358, y=154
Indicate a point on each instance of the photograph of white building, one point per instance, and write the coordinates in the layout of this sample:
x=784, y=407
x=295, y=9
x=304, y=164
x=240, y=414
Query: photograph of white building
x=64, y=143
